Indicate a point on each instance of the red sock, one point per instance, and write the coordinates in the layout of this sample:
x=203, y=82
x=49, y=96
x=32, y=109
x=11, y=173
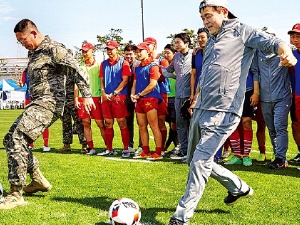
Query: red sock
x=248, y=136
x=46, y=137
x=90, y=144
x=164, y=134
x=109, y=136
x=226, y=145
x=31, y=144
x=146, y=149
x=158, y=150
x=125, y=137
x=235, y=143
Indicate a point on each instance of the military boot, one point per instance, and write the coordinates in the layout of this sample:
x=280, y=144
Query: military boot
x=38, y=183
x=84, y=149
x=13, y=199
x=66, y=148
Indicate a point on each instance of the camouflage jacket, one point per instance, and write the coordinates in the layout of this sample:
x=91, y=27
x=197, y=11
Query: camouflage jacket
x=48, y=69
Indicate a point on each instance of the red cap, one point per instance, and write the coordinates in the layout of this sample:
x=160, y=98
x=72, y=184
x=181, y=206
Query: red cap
x=87, y=46
x=150, y=40
x=112, y=44
x=143, y=45
x=295, y=29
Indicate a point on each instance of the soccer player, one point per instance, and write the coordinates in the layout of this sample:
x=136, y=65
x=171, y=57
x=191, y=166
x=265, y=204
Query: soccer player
x=114, y=73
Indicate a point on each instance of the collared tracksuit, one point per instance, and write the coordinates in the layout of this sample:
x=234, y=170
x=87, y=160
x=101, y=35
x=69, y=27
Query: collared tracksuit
x=47, y=71
x=217, y=113
x=182, y=66
x=275, y=97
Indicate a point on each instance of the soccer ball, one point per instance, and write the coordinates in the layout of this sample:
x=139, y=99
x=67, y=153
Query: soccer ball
x=124, y=211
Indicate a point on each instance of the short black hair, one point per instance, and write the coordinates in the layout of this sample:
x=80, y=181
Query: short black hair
x=203, y=29
x=130, y=47
x=171, y=47
x=23, y=25
x=184, y=37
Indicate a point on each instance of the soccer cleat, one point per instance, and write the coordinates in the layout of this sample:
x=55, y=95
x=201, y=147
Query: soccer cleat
x=232, y=199
x=261, y=157
x=296, y=159
x=138, y=151
x=142, y=155
x=155, y=156
x=66, y=148
x=125, y=154
x=247, y=161
x=46, y=149
x=278, y=164
x=91, y=152
x=12, y=200
x=229, y=157
x=234, y=161
x=174, y=221
x=107, y=152
x=38, y=183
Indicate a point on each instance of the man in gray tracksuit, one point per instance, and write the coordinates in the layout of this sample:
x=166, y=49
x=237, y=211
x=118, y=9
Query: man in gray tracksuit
x=226, y=62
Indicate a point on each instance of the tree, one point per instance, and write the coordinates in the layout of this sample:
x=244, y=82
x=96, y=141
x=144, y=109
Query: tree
x=192, y=35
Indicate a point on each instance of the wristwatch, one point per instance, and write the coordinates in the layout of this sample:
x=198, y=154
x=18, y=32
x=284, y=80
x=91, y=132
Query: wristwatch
x=139, y=94
x=115, y=93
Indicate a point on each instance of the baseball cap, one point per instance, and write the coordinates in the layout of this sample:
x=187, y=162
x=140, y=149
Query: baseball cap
x=150, y=40
x=295, y=29
x=87, y=46
x=112, y=44
x=222, y=3
x=268, y=30
x=143, y=46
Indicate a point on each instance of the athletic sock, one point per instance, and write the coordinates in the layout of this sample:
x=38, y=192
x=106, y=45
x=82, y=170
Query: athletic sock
x=125, y=137
x=146, y=149
x=235, y=143
x=248, y=137
x=90, y=144
x=109, y=136
x=46, y=137
x=163, y=136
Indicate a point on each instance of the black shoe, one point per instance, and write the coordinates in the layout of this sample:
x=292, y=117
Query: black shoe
x=232, y=199
x=174, y=221
x=177, y=155
x=278, y=164
x=296, y=159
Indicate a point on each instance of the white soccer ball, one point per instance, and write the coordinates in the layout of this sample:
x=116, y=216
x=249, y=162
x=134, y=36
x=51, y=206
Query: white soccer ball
x=124, y=211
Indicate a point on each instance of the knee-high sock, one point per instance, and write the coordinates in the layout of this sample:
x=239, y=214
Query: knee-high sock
x=109, y=136
x=46, y=137
x=125, y=137
x=248, y=137
x=235, y=143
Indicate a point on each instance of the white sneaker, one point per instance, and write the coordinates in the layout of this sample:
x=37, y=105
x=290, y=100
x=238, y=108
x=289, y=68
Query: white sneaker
x=91, y=152
x=108, y=152
x=31, y=148
x=138, y=151
x=125, y=154
x=46, y=149
x=131, y=149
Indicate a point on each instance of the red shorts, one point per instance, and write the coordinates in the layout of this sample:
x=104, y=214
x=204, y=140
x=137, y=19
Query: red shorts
x=165, y=98
x=94, y=113
x=162, y=109
x=144, y=105
x=115, y=109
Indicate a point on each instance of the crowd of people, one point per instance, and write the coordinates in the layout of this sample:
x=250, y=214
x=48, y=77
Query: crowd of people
x=236, y=74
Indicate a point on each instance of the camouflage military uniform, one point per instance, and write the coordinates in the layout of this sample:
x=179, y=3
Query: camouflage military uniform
x=47, y=69
x=70, y=113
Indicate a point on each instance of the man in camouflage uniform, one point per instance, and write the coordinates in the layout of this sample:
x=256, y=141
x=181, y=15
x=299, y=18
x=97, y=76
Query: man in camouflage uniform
x=70, y=112
x=47, y=69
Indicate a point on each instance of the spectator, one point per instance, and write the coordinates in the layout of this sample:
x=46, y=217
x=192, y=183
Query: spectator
x=91, y=66
x=129, y=55
x=71, y=113
x=114, y=75
x=47, y=91
x=226, y=63
x=182, y=66
x=276, y=99
x=147, y=99
x=169, y=52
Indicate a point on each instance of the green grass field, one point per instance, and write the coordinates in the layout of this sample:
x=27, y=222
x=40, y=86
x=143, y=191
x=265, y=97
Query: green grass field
x=85, y=186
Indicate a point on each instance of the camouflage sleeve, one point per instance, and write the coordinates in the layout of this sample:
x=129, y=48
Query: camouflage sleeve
x=63, y=57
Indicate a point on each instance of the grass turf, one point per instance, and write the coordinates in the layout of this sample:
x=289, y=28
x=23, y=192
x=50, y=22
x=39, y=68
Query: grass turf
x=85, y=186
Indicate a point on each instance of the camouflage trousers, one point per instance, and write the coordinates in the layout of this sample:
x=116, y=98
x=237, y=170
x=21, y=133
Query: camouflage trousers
x=26, y=129
x=70, y=112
